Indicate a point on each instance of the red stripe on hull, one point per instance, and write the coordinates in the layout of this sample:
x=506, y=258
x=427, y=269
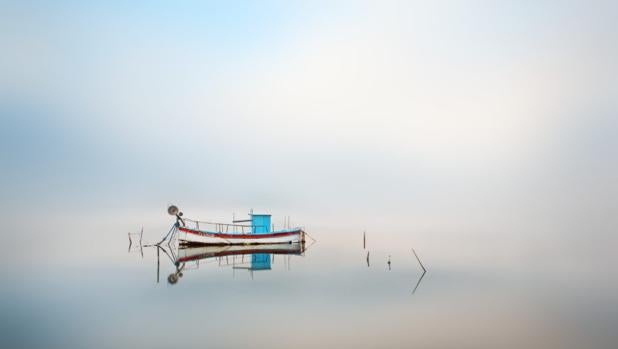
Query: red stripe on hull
x=240, y=236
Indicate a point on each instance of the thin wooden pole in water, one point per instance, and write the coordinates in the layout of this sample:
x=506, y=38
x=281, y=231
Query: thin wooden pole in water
x=419, y=260
x=422, y=275
x=365, y=241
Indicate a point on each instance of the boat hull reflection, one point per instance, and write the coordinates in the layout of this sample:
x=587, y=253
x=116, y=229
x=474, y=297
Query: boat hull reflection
x=188, y=254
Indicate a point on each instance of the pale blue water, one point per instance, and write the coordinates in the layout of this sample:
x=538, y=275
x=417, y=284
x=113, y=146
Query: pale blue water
x=479, y=292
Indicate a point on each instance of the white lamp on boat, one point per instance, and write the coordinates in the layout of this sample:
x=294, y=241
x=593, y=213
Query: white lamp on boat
x=173, y=210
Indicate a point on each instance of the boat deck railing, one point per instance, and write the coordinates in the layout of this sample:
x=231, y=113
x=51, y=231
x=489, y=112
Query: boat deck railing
x=220, y=227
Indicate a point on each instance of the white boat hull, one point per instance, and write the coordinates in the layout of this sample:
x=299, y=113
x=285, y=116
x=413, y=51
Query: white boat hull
x=188, y=236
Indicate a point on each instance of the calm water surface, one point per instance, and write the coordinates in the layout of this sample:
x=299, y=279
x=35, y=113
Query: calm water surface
x=481, y=290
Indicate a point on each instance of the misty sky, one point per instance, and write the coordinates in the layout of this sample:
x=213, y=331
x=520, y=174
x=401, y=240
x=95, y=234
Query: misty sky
x=486, y=109
x=481, y=134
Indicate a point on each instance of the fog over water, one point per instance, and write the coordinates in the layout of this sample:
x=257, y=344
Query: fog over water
x=481, y=134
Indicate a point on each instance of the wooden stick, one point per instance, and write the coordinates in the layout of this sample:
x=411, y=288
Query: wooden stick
x=419, y=260
x=364, y=241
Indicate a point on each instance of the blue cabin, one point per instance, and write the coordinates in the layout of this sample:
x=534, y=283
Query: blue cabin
x=260, y=223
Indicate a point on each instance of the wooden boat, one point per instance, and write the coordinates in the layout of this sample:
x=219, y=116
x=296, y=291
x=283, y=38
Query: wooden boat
x=192, y=236
x=260, y=231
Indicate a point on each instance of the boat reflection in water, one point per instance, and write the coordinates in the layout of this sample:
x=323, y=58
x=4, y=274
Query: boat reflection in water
x=247, y=257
